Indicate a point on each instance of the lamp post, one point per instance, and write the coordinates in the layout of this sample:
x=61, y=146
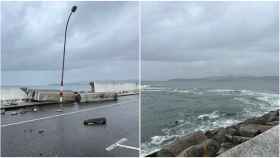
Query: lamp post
x=74, y=8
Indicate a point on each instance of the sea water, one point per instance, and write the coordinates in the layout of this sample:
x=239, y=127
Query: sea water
x=175, y=108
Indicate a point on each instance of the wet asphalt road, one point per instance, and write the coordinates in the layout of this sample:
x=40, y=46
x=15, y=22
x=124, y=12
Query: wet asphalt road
x=50, y=133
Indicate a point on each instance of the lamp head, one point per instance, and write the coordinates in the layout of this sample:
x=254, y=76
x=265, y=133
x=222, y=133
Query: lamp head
x=74, y=8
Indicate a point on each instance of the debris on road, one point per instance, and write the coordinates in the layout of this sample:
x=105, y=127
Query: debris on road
x=14, y=113
x=59, y=110
x=23, y=111
x=35, y=109
x=2, y=112
x=95, y=121
x=41, y=131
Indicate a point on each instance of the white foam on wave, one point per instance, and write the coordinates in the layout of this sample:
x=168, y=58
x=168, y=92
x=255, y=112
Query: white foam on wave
x=223, y=90
x=157, y=140
x=263, y=101
x=155, y=89
x=243, y=100
x=155, y=143
x=212, y=115
x=115, y=87
x=11, y=93
x=224, y=123
x=181, y=90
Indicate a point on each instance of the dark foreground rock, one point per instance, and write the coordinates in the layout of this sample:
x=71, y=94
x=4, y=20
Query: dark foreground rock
x=184, y=142
x=207, y=148
x=216, y=141
x=251, y=130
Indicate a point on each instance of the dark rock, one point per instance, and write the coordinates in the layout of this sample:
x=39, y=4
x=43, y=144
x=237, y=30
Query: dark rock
x=162, y=153
x=220, y=136
x=227, y=145
x=22, y=112
x=273, y=123
x=273, y=116
x=269, y=117
x=41, y=131
x=251, y=130
x=14, y=113
x=224, y=147
x=2, y=112
x=208, y=148
x=211, y=133
x=236, y=139
x=231, y=131
x=184, y=142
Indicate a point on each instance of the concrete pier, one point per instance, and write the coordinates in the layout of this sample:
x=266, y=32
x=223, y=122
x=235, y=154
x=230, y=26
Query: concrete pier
x=265, y=144
x=39, y=97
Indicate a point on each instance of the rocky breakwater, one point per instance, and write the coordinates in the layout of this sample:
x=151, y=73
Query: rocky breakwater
x=216, y=141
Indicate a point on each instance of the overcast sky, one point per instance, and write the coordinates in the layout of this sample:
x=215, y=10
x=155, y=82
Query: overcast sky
x=190, y=40
x=179, y=40
x=102, y=41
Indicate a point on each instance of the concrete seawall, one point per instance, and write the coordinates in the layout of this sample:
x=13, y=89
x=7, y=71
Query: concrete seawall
x=38, y=97
x=265, y=144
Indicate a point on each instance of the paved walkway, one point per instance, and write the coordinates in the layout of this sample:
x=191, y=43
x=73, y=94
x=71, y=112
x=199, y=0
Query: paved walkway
x=265, y=144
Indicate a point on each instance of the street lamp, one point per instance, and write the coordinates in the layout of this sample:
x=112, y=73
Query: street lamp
x=74, y=8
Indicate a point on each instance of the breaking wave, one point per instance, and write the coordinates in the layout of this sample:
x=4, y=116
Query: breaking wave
x=212, y=115
x=256, y=104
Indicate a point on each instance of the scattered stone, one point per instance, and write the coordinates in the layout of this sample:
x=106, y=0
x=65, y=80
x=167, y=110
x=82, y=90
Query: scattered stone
x=220, y=136
x=35, y=109
x=59, y=110
x=237, y=139
x=162, y=153
x=2, y=112
x=216, y=141
x=22, y=112
x=273, y=116
x=227, y=145
x=231, y=130
x=41, y=154
x=273, y=123
x=224, y=147
x=211, y=133
x=251, y=130
x=208, y=148
x=41, y=131
x=269, y=117
x=184, y=142
x=14, y=113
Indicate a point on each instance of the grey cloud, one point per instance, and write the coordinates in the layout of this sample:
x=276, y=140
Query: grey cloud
x=239, y=38
x=33, y=34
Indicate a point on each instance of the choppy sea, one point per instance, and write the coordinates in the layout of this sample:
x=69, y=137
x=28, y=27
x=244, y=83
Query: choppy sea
x=175, y=108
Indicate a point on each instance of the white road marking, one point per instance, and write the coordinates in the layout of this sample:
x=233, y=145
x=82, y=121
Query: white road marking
x=119, y=144
x=64, y=114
